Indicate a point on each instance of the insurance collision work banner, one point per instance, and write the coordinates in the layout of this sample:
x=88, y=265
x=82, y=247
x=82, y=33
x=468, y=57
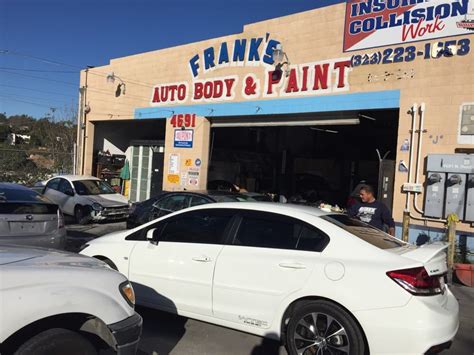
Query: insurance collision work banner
x=377, y=23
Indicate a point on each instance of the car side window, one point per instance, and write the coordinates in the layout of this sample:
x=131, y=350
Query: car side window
x=267, y=230
x=312, y=239
x=64, y=186
x=196, y=201
x=207, y=227
x=173, y=203
x=53, y=184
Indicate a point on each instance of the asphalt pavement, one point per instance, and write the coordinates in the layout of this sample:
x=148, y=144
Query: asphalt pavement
x=166, y=333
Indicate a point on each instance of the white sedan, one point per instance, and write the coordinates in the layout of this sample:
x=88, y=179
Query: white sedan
x=87, y=198
x=322, y=283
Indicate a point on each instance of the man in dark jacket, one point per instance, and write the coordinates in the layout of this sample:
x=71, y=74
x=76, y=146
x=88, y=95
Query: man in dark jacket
x=371, y=211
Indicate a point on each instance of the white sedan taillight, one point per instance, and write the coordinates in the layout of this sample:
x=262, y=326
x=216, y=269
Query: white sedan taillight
x=60, y=219
x=417, y=281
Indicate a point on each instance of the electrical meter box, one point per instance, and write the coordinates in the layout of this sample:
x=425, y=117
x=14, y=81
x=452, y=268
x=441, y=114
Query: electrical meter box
x=470, y=199
x=434, y=197
x=449, y=187
x=455, y=195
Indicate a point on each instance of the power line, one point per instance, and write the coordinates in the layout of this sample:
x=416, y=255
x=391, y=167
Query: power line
x=40, y=70
x=39, y=77
x=26, y=102
x=49, y=61
x=127, y=96
x=29, y=97
x=44, y=60
x=43, y=91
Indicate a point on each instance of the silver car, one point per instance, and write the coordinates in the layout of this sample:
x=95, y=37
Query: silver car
x=28, y=218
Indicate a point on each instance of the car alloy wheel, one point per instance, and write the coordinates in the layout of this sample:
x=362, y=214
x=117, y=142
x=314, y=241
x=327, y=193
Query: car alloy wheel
x=319, y=333
x=322, y=327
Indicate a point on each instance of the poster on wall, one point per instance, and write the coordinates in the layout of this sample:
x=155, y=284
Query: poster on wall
x=173, y=167
x=378, y=23
x=183, y=138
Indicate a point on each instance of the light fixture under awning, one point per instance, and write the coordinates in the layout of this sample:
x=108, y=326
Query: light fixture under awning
x=321, y=122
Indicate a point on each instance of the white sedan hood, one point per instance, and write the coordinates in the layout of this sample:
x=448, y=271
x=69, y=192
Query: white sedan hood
x=46, y=258
x=108, y=200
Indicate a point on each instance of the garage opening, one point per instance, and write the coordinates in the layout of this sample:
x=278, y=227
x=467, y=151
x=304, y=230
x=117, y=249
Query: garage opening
x=306, y=158
x=141, y=143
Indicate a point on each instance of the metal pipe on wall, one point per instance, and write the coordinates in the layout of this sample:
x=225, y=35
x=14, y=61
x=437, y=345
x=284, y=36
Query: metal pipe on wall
x=412, y=143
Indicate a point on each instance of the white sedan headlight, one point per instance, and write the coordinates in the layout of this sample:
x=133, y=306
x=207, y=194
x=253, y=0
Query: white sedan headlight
x=97, y=206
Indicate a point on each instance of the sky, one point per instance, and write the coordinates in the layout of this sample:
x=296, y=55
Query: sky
x=45, y=43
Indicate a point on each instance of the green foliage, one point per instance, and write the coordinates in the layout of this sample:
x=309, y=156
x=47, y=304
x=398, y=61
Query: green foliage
x=49, y=151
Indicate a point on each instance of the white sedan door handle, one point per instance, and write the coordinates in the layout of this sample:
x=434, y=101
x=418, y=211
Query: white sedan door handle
x=292, y=265
x=202, y=259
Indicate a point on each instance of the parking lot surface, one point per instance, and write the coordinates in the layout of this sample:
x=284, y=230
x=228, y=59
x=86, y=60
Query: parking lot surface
x=165, y=333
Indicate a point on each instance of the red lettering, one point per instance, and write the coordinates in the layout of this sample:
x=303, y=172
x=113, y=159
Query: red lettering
x=181, y=92
x=304, y=86
x=228, y=87
x=172, y=89
x=292, y=82
x=179, y=120
x=341, y=66
x=198, y=91
x=218, y=89
x=420, y=30
x=156, y=95
x=164, y=93
x=273, y=78
x=321, y=74
x=208, y=89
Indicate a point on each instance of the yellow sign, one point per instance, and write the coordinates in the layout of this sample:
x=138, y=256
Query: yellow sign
x=188, y=162
x=173, y=179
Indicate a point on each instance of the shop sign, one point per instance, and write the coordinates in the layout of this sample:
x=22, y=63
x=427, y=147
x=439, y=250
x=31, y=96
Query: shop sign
x=252, y=51
x=377, y=23
x=315, y=78
x=183, y=138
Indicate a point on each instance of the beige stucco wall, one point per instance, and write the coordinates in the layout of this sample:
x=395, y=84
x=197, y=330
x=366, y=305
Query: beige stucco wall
x=442, y=84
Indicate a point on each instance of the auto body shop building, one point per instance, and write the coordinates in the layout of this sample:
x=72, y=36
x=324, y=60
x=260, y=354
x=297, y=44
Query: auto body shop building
x=303, y=105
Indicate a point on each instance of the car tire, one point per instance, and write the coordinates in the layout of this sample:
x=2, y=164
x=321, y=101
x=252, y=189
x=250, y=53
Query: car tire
x=57, y=341
x=82, y=215
x=323, y=325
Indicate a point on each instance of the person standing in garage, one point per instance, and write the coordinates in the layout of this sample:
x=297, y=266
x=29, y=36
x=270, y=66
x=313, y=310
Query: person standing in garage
x=371, y=211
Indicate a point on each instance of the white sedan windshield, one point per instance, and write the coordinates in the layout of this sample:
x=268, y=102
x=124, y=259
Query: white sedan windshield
x=92, y=187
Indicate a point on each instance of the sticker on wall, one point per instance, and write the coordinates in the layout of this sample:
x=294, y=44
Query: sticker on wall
x=405, y=146
x=436, y=139
x=173, y=168
x=188, y=162
x=173, y=179
x=402, y=166
x=198, y=162
x=193, y=178
x=183, y=138
x=183, y=179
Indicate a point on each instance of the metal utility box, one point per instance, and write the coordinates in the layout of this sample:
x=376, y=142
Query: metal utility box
x=434, y=197
x=455, y=195
x=448, y=185
x=470, y=198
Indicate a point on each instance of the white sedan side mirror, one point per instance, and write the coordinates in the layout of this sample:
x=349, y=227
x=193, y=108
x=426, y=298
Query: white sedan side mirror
x=150, y=236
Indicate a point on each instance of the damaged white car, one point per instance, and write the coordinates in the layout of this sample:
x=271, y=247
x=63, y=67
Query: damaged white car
x=87, y=198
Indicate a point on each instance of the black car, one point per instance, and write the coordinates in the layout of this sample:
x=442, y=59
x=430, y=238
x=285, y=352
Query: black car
x=167, y=202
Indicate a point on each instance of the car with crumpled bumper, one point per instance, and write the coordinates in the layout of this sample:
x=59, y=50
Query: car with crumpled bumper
x=87, y=198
